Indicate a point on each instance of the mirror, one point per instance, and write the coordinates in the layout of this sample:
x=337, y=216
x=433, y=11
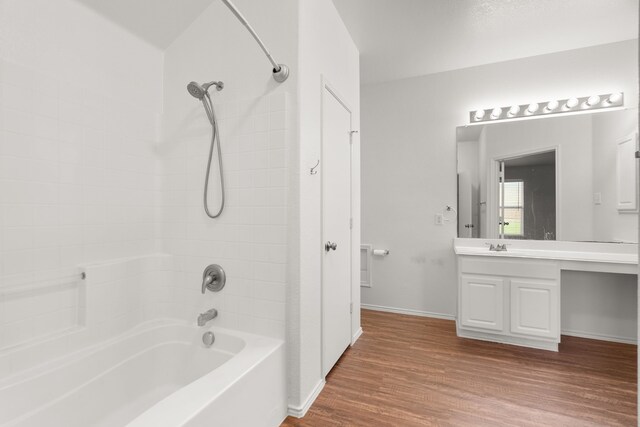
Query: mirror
x=571, y=177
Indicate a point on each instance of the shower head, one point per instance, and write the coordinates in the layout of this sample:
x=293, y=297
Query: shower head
x=199, y=90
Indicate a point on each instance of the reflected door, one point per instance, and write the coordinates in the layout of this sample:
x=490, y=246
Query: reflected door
x=527, y=197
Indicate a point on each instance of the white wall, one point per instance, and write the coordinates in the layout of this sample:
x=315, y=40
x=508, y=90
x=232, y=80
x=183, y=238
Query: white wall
x=79, y=105
x=600, y=305
x=250, y=239
x=326, y=50
x=409, y=158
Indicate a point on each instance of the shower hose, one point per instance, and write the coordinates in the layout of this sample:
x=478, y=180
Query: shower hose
x=215, y=137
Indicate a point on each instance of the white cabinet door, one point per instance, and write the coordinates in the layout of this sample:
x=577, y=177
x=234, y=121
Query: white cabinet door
x=535, y=308
x=626, y=174
x=482, y=302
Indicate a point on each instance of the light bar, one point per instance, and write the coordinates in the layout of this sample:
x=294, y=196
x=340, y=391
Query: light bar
x=559, y=106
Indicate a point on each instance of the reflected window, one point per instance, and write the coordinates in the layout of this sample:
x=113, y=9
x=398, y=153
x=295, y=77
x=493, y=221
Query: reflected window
x=513, y=207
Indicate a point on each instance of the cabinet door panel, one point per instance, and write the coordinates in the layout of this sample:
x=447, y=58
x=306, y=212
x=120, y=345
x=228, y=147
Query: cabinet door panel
x=482, y=302
x=535, y=308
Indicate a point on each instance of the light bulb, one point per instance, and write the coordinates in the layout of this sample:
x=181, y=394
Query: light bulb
x=496, y=112
x=593, y=100
x=479, y=115
x=514, y=110
x=614, y=98
x=533, y=107
x=551, y=105
x=571, y=103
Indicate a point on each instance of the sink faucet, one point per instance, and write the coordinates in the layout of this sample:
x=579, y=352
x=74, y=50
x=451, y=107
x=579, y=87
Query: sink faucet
x=498, y=248
x=208, y=315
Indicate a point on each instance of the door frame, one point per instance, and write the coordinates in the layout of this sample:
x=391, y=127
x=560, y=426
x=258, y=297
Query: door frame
x=493, y=209
x=327, y=88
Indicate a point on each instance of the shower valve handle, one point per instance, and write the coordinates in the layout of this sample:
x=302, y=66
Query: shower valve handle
x=213, y=278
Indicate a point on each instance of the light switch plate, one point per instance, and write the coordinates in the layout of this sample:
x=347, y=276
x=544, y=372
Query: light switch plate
x=597, y=198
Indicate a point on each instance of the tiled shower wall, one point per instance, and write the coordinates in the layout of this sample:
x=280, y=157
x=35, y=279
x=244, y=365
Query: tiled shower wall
x=115, y=296
x=249, y=239
x=78, y=129
x=86, y=179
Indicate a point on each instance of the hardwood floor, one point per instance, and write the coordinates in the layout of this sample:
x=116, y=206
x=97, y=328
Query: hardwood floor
x=414, y=371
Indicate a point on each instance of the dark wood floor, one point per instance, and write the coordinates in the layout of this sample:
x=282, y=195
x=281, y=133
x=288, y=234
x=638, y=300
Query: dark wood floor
x=413, y=371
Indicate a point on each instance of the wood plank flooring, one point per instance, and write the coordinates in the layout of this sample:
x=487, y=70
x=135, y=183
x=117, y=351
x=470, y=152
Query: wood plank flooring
x=414, y=371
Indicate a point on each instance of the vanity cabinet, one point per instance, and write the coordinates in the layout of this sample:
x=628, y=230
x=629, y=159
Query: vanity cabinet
x=513, y=296
x=512, y=301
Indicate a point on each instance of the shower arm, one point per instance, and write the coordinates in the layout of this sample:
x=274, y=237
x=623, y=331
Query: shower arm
x=280, y=71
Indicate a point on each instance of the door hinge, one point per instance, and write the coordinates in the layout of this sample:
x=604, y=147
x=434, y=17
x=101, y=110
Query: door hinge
x=351, y=308
x=350, y=223
x=637, y=154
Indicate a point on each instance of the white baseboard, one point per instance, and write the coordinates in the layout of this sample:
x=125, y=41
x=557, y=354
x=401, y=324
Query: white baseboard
x=408, y=311
x=301, y=411
x=356, y=336
x=601, y=337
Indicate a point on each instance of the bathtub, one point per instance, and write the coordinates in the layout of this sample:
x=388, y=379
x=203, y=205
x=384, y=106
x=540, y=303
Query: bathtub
x=157, y=374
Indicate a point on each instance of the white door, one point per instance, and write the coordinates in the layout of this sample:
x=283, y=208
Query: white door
x=535, y=308
x=482, y=302
x=627, y=173
x=465, y=205
x=336, y=233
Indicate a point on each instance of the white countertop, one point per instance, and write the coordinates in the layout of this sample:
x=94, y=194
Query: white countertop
x=616, y=253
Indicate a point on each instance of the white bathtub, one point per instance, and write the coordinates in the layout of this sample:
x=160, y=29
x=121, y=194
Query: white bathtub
x=158, y=374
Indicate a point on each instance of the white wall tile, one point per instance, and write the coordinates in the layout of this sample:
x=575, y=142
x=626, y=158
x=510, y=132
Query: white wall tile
x=249, y=239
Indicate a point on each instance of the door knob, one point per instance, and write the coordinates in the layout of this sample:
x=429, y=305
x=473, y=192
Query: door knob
x=330, y=246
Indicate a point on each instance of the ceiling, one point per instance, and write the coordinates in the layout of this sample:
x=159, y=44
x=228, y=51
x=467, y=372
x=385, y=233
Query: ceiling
x=407, y=38
x=159, y=22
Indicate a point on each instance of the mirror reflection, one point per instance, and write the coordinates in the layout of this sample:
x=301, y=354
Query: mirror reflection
x=558, y=178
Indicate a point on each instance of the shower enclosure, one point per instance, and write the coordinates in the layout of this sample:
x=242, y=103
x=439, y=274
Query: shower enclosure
x=103, y=235
x=103, y=238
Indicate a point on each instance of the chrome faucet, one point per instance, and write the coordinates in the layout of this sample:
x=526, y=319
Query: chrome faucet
x=208, y=315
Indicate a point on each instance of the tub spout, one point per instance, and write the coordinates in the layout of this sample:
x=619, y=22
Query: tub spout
x=208, y=315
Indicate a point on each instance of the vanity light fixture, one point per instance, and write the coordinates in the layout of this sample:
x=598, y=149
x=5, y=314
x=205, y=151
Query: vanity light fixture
x=614, y=98
x=571, y=103
x=551, y=106
x=592, y=101
x=560, y=106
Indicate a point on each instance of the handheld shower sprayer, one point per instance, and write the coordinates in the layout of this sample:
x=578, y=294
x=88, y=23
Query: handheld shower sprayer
x=201, y=92
x=198, y=91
